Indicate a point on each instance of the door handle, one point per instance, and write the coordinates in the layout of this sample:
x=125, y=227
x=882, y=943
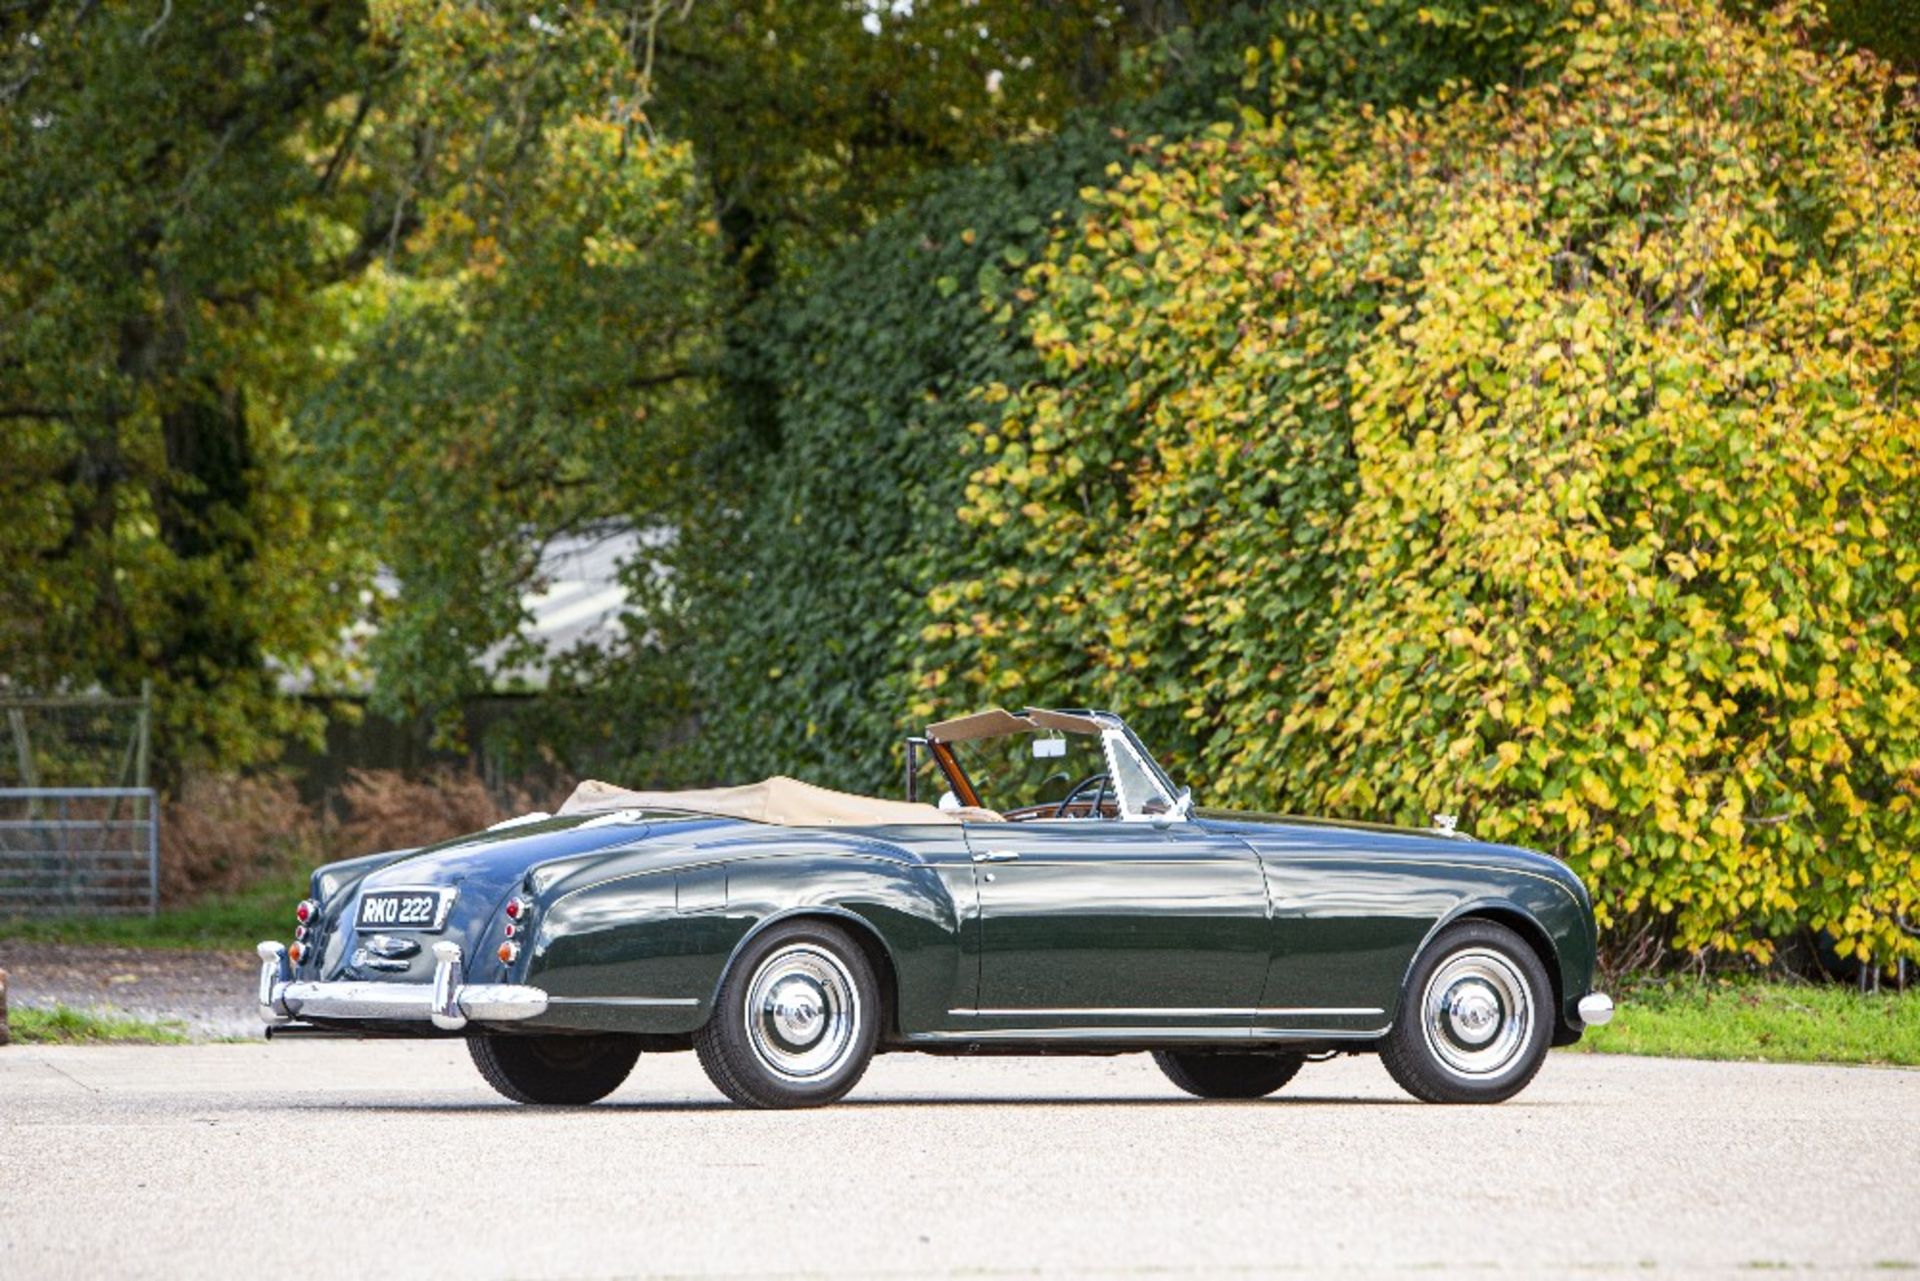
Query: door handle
x=995, y=856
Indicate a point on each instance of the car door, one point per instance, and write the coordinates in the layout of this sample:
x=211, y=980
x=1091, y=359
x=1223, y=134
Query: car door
x=1090, y=923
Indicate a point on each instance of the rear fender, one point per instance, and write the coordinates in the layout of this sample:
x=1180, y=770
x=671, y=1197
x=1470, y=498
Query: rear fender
x=863, y=930
x=647, y=953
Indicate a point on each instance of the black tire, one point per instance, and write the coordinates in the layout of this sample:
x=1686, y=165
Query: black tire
x=1228, y=1076
x=1476, y=1018
x=762, y=1049
x=559, y=1071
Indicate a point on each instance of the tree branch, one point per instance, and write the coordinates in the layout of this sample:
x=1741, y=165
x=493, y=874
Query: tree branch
x=166, y=11
x=337, y=161
x=38, y=411
x=661, y=379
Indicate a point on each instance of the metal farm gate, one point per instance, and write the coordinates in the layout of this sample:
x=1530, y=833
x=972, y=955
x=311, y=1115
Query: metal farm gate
x=79, y=827
x=78, y=850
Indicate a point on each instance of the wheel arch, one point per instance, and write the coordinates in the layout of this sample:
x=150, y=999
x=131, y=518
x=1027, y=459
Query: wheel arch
x=1522, y=922
x=864, y=933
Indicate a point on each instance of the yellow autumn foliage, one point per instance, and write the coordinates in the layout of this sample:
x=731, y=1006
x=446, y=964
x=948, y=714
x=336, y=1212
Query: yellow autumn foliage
x=1550, y=454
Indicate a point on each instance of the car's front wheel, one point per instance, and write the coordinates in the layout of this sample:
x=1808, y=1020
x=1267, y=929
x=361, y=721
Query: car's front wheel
x=1475, y=1020
x=1228, y=1076
x=562, y=1071
x=797, y=1019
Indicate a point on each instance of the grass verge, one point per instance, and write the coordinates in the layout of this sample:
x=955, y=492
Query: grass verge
x=65, y=1025
x=229, y=922
x=1767, y=1022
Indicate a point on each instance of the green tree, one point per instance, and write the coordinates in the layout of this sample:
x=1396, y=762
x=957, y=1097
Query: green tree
x=292, y=291
x=157, y=259
x=533, y=350
x=512, y=380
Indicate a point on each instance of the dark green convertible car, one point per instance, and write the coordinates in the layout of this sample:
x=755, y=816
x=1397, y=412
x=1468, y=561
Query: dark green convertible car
x=1061, y=897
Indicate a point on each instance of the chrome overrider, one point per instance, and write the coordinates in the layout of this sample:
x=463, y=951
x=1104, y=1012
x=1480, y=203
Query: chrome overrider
x=448, y=1002
x=1595, y=1008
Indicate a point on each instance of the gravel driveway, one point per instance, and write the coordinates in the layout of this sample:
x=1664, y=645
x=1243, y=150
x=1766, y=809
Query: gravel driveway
x=326, y=1159
x=209, y=993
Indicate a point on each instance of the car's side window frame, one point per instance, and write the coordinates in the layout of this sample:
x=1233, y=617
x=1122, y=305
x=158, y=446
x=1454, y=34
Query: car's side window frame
x=1118, y=740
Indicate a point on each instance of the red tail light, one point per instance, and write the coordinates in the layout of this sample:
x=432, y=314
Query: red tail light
x=517, y=908
x=307, y=910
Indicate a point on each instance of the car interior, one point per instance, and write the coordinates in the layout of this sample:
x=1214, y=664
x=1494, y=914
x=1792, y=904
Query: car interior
x=1045, y=765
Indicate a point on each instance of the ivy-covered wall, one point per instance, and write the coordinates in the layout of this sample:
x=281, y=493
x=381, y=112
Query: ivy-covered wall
x=808, y=572
x=1550, y=456
x=1542, y=446
x=811, y=575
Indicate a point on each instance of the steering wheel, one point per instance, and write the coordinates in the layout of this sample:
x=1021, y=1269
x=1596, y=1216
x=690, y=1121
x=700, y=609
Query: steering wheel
x=1073, y=794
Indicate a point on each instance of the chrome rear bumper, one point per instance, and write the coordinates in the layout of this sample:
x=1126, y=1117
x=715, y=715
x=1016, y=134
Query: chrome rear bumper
x=448, y=1002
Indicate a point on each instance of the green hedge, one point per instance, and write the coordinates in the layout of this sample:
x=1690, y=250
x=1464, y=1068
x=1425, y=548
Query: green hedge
x=807, y=589
x=807, y=577
x=1550, y=456
x=1541, y=445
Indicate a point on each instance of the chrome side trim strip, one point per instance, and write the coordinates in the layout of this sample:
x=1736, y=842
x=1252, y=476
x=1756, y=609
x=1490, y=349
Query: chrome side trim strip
x=1178, y=1012
x=1127, y=1012
x=1116, y=1033
x=1127, y=860
x=1122, y=1033
x=1320, y=1033
x=624, y=1000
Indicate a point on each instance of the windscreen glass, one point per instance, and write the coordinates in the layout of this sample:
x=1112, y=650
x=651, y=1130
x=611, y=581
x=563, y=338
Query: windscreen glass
x=1015, y=771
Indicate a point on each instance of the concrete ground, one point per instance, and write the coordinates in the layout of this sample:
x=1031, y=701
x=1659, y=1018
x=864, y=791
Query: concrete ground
x=319, y=1159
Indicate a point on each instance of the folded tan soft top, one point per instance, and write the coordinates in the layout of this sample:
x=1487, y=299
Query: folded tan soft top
x=786, y=801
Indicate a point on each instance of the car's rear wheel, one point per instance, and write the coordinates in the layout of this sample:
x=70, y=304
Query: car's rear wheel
x=1475, y=1020
x=1228, y=1076
x=561, y=1071
x=797, y=1019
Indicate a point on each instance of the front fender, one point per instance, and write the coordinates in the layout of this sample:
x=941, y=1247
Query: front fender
x=1554, y=922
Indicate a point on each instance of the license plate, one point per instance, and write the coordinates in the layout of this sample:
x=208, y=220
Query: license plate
x=404, y=909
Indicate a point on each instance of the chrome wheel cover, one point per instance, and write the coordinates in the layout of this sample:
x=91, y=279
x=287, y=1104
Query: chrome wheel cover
x=802, y=1013
x=1477, y=1013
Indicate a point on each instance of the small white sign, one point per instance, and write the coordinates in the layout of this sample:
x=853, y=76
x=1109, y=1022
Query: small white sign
x=1045, y=747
